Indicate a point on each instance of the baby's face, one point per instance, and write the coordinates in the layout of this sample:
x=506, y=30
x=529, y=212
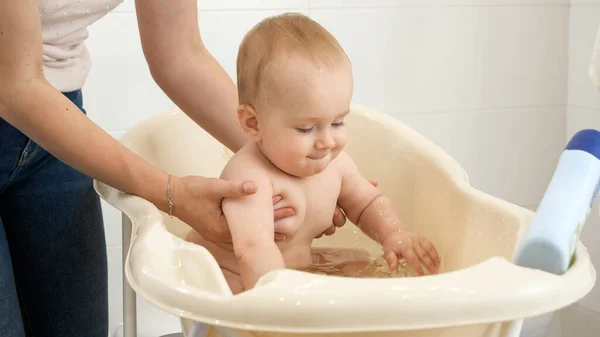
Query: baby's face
x=302, y=124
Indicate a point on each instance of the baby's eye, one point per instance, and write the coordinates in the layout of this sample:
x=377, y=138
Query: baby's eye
x=304, y=130
x=338, y=124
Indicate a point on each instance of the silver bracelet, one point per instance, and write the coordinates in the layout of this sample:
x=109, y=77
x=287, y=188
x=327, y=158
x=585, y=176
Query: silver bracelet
x=169, y=198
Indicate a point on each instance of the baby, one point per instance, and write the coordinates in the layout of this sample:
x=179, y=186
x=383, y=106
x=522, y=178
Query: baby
x=295, y=87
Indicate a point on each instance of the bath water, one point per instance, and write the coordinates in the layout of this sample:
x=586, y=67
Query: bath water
x=354, y=263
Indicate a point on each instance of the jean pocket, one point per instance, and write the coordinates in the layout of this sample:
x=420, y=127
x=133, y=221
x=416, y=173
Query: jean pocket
x=28, y=152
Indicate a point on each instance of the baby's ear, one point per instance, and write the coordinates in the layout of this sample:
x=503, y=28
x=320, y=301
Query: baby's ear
x=249, y=122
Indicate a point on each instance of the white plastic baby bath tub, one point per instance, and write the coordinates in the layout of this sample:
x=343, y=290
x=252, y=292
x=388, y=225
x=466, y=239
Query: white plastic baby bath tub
x=478, y=292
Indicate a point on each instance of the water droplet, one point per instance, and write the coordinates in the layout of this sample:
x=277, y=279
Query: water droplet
x=298, y=303
x=79, y=1
x=57, y=33
x=65, y=14
x=87, y=11
x=58, y=4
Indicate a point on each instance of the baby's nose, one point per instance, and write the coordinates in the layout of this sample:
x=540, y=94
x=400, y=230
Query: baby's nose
x=325, y=142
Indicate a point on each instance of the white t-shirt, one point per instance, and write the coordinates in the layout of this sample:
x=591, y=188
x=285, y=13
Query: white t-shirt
x=64, y=30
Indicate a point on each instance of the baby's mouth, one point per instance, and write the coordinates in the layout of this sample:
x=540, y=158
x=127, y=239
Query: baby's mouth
x=317, y=157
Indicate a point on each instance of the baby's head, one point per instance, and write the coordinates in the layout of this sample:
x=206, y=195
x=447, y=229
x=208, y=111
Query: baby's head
x=295, y=87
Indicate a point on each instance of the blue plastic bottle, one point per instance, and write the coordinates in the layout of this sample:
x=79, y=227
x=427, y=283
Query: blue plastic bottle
x=553, y=234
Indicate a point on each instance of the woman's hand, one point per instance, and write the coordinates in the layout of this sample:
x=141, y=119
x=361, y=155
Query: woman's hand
x=197, y=202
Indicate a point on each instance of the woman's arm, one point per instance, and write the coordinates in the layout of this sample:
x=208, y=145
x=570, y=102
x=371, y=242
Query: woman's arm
x=186, y=71
x=31, y=104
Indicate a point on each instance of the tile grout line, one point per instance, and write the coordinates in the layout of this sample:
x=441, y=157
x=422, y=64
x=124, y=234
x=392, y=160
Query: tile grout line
x=584, y=107
x=530, y=108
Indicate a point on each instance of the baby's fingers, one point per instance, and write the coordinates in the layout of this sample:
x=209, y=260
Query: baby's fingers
x=392, y=260
x=431, y=251
x=426, y=259
x=413, y=260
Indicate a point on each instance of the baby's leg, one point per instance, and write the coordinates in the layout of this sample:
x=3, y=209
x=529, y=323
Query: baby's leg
x=233, y=280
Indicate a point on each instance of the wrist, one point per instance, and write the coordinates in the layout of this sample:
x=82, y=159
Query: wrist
x=392, y=237
x=379, y=220
x=152, y=186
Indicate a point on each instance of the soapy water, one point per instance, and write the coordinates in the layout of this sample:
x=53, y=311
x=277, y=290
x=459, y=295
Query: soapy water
x=354, y=263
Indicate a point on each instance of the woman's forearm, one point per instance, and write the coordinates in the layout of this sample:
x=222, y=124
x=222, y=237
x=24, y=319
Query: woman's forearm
x=203, y=90
x=57, y=125
x=186, y=71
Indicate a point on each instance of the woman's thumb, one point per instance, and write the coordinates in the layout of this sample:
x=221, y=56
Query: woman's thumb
x=232, y=189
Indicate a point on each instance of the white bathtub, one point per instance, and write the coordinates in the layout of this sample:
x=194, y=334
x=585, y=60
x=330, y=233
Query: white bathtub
x=478, y=293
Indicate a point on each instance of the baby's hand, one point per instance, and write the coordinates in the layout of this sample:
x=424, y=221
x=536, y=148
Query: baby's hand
x=415, y=249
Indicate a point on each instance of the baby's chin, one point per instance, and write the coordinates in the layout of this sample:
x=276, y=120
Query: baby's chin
x=308, y=168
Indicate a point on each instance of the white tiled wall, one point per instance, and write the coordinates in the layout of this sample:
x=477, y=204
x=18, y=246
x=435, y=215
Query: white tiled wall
x=583, y=111
x=485, y=79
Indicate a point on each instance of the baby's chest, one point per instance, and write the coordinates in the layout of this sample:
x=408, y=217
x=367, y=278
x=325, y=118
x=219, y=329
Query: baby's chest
x=314, y=203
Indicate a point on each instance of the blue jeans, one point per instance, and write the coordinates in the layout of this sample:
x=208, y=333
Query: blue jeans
x=53, y=266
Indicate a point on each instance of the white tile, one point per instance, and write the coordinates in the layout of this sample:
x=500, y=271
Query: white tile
x=590, y=237
x=408, y=60
x=555, y=327
x=505, y=158
x=120, y=90
x=523, y=63
x=455, y=58
x=422, y=3
x=153, y=322
x=585, y=2
x=579, y=322
x=537, y=326
x=581, y=118
x=583, y=28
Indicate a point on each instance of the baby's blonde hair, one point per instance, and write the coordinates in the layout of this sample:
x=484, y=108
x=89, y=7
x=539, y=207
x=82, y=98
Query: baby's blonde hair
x=289, y=34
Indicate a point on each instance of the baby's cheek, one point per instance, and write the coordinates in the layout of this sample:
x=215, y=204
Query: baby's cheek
x=340, y=139
x=296, y=147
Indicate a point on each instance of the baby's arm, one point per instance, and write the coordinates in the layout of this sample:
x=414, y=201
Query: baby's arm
x=374, y=214
x=364, y=205
x=251, y=223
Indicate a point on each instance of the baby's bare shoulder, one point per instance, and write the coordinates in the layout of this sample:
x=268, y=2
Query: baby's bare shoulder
x=245, y=164
x=345, y=165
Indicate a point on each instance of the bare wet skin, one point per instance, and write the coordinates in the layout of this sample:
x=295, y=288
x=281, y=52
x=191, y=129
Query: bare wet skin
x=353, y=263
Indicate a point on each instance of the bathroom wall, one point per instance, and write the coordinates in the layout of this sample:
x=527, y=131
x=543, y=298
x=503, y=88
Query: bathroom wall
x=484, y=79
x=583, y=111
